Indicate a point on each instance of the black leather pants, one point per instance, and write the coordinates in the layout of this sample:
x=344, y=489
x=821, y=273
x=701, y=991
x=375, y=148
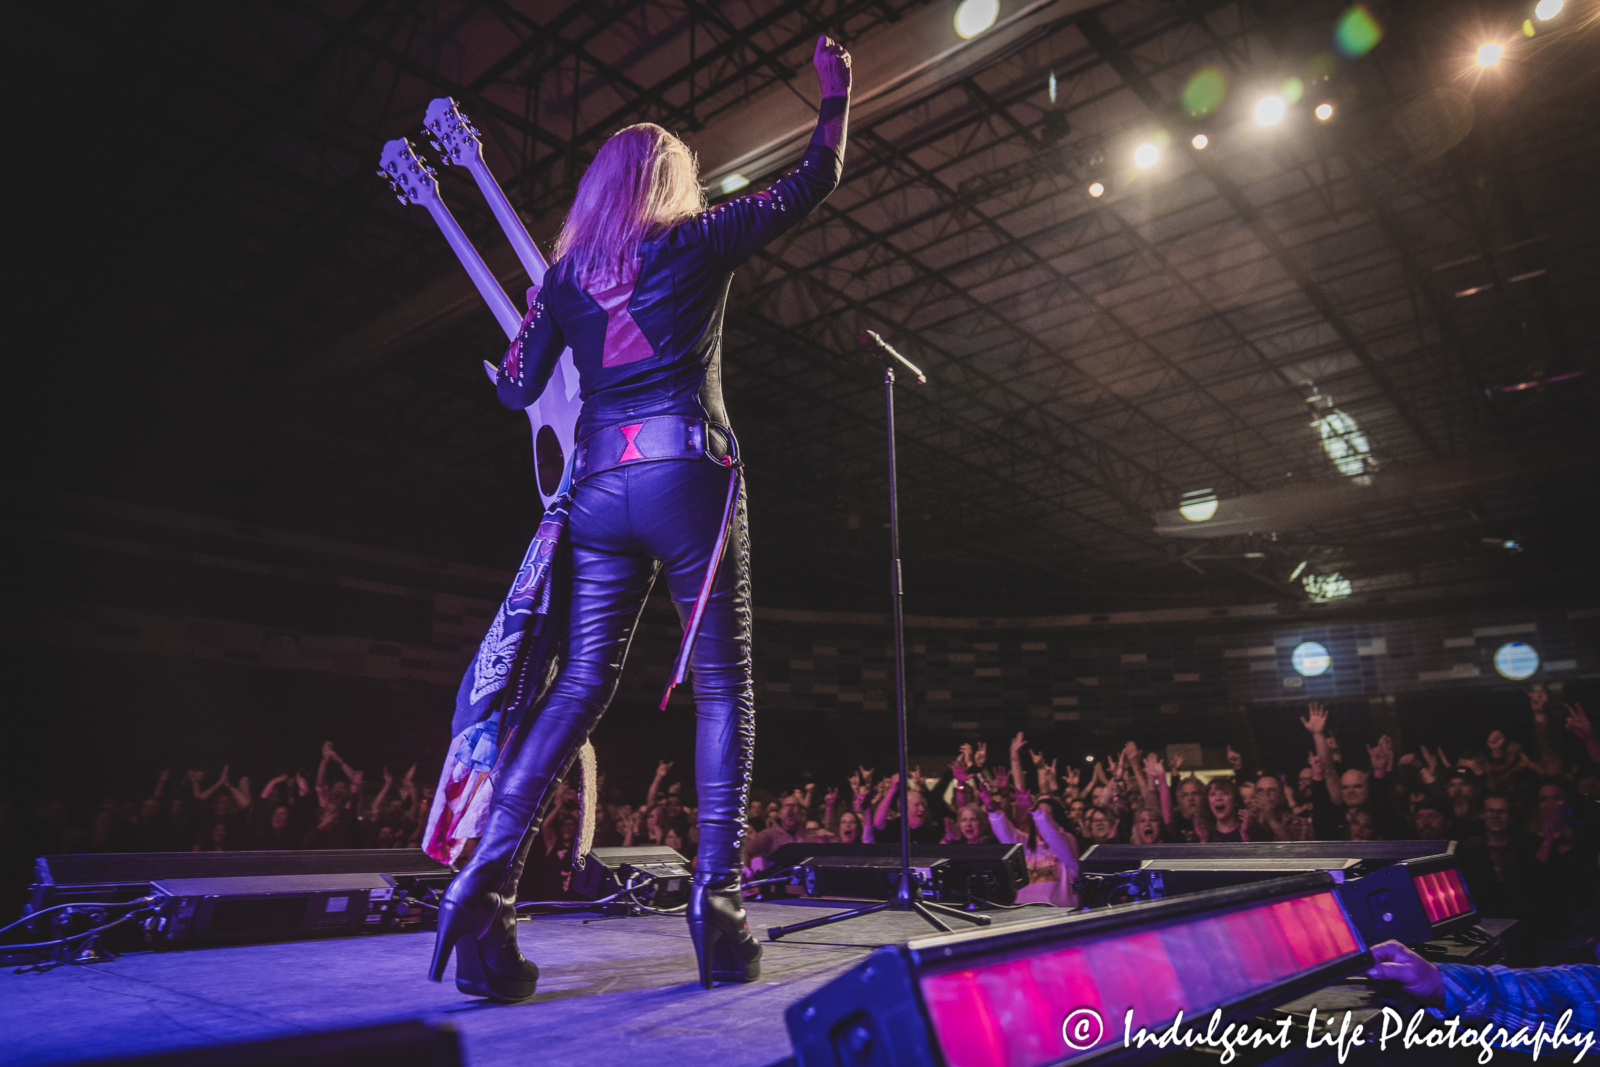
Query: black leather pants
x=627, y=525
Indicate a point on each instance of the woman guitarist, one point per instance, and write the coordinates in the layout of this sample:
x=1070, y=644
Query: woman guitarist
x=638, y=291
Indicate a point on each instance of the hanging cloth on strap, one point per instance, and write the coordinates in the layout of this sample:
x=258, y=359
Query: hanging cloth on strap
x=507, y=680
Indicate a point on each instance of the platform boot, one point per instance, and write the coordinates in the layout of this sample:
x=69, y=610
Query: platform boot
x=724, y=947
x=478, y=917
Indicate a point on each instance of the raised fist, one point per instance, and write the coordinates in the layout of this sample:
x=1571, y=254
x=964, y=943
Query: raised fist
x=833, y=67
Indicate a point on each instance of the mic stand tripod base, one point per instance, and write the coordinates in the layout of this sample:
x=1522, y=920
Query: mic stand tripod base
x=907, y=897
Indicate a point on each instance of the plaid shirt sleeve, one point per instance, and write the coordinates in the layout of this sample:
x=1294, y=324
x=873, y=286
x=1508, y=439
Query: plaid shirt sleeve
x=1518, y=998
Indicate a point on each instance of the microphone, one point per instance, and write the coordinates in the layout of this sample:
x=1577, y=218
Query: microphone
x=870, y=339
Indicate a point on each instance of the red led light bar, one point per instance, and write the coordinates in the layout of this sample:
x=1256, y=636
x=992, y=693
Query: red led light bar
x=1011, y=1012
x=1443, y=895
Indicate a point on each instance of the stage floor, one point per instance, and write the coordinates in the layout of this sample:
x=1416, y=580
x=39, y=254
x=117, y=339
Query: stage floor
x=611, y=991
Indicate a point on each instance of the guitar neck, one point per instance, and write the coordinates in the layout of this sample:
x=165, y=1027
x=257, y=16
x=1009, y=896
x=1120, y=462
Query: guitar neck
x=504, y=311
x=528, y=252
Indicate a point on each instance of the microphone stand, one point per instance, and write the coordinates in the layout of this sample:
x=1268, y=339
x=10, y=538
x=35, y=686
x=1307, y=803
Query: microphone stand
x=908, y=894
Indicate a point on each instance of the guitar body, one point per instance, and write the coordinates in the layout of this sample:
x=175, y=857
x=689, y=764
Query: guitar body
x=554, y=420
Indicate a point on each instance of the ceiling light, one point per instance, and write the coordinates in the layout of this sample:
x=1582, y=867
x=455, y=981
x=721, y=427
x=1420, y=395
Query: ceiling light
x=1324, y=587
x=733, y=183
x=1547, y=9
x=1199, y=505
x=1145, y=156
x=1200, y=140
x=975, y=16
x=1343, y=440
x=1097, y=189
x=1489, y=54
x=1270, y=110
x=1324, y=112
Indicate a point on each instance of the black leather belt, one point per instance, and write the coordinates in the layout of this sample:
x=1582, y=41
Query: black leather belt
x=647, y=440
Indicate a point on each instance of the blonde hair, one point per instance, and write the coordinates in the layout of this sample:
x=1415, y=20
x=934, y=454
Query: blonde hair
x=642, y=182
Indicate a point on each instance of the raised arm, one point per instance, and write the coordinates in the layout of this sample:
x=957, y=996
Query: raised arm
x=1017, y=744
x=1157, y=774
x=736, y=229
x=1316, y=721
x=880, y=817
x=655, y=783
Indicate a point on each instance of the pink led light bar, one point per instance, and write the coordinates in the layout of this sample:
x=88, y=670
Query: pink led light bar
x=1010, y=1013
x=1443, y=895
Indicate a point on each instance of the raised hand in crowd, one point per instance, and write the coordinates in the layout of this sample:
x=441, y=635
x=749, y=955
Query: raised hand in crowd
x=1430, y=764
x=1315, y=720
x=1017, y=744
x=1578, y=723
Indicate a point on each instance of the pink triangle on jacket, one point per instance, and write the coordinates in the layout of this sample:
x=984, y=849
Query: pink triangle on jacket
x=625, y=342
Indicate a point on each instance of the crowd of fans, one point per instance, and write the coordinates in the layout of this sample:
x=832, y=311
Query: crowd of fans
x=1515, y=812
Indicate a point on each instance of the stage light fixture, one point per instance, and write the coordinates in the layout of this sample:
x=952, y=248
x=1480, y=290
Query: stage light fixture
x=975, y=16
x=1324, y=112
x=733, y=183
x=1145, y=156
x=1200, y=140
x=1311, y=659
x=1516, y=660
x=1548, y=9
x=1489, y=54
x=1270, y=110
x=1097, y=189
x=1198, y=505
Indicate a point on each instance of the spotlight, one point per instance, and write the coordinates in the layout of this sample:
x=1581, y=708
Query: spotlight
x=1270, y=110
x=1145, y=156
x=1547, y=9
x=1097, y=189
x=733, y=183
x=1324, y=112
x=1200, y=140
x=1199, y=505
x=975, y=16
x=1489, y=54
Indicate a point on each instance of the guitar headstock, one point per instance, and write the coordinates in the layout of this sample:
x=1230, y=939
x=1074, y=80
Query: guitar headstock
x=412, y=180
x=452, y=133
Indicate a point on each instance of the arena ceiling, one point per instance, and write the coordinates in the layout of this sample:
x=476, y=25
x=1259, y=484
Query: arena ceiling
x=293, y=346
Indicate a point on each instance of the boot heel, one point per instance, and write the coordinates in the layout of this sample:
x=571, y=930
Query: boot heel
x=706, y=937
x=453, y=925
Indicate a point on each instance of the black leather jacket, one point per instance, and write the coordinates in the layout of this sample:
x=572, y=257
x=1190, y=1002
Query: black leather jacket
x=652, y=345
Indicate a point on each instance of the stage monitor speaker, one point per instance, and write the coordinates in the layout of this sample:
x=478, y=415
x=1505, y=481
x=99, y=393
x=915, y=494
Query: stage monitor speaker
x=607, y=870
x=946, y=873
x=412, y=1043
x=248, y=896
x=1060, y=990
